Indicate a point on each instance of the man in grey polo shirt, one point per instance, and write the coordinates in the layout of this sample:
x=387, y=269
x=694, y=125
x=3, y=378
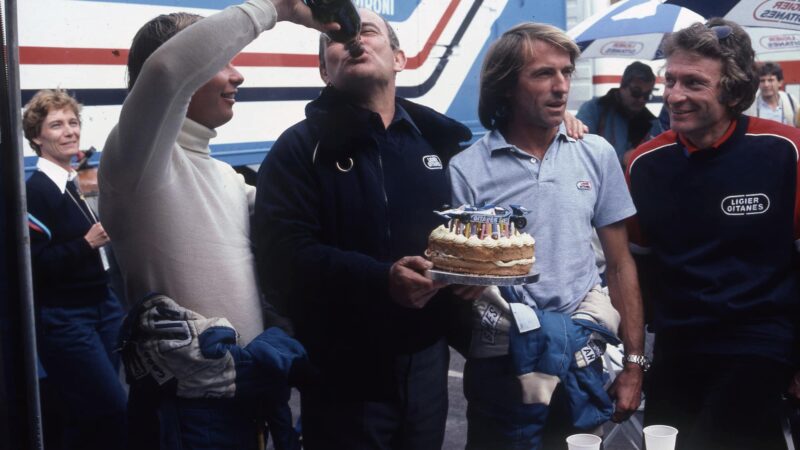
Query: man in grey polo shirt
x=570, y=187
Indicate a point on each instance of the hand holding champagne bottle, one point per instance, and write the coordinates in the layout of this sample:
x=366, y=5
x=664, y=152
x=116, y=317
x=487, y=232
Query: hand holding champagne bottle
x=342, y=12
x=296, y=11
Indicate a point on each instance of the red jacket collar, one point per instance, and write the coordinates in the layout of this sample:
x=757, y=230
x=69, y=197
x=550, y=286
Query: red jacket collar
x=691, y=148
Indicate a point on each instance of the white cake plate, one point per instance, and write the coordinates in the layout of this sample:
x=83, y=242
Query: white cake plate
x=478, y=280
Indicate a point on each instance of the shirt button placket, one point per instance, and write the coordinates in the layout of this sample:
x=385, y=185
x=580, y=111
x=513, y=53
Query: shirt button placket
x=536, y=168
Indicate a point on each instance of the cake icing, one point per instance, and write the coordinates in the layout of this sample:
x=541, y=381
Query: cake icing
x=483, y=241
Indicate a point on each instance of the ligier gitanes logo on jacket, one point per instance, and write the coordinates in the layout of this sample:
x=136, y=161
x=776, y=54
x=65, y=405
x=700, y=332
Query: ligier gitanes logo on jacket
x=745, y=205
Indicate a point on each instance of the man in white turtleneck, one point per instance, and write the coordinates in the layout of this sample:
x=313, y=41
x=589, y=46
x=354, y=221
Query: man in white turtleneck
x=179, y=218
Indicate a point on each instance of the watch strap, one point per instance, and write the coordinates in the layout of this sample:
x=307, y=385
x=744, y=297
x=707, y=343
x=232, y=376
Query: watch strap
x=640, y=360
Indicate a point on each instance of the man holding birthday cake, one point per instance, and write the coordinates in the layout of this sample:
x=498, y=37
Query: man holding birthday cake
x=344, y=206
x=570, y=187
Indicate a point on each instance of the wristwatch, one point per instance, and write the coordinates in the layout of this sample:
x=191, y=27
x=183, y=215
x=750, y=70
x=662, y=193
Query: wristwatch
x=639, y=360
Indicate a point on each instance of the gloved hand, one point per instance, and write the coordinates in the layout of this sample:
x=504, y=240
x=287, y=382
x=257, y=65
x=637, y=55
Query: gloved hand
x=276, y=351
x=169, y=342
x=166, y=344
x=264, y=365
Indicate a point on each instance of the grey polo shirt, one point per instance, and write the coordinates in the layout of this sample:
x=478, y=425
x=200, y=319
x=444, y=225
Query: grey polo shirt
x=579, y=185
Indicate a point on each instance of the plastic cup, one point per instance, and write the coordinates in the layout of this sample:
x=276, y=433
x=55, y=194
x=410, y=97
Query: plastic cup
x=660, y=437
x=584, y=442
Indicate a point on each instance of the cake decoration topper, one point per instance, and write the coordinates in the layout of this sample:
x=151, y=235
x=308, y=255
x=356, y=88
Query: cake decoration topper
x=517, y=216
x=486, y=221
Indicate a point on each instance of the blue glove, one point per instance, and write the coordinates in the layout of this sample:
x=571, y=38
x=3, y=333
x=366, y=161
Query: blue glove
x=263, y=366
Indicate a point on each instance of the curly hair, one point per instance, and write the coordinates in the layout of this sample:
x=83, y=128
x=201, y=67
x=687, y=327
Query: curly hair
x=504, y=61
x=37, y=109
x=151, y=35
x=739, y=77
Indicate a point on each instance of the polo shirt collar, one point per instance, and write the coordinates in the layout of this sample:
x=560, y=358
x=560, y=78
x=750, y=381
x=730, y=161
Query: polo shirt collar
x=494, y=140
x=562, y=133
x=56, y=173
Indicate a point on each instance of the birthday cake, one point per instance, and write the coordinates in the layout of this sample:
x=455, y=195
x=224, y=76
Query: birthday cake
x=484, y=241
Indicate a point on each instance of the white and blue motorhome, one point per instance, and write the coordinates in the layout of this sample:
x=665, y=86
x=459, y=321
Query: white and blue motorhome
x=81, y=46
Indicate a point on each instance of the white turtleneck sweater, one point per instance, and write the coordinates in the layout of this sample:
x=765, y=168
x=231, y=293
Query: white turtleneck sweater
x=179, y=219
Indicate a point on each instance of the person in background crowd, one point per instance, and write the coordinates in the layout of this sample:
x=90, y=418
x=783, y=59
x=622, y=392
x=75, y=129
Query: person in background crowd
x=78, y=316
x=771, y=102
x=621, y=116
x=182, y=220
x=718, y=231
x=528, y=159
x=344, y=206
x=663, y=119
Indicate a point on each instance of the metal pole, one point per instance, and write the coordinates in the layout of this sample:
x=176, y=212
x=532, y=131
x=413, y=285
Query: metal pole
x=11, y=136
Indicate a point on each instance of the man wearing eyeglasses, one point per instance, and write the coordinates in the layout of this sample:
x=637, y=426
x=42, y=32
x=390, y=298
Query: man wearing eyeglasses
x=718, y=231
x=621, y=116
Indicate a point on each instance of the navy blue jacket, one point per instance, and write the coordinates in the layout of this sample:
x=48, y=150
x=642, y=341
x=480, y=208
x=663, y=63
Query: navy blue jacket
x=66, y=269
x=339, y=200
x=722, y=226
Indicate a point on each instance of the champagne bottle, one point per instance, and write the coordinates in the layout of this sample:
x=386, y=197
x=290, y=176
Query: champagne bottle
x=342, y=12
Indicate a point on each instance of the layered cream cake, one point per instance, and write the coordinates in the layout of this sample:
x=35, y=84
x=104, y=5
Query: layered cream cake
x=482, y=242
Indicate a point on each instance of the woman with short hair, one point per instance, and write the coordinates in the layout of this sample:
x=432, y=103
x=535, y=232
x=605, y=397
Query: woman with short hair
x=78, y=316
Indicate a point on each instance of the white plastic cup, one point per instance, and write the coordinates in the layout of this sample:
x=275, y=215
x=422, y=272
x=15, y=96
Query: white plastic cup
x=660, y=437
x=584, y=442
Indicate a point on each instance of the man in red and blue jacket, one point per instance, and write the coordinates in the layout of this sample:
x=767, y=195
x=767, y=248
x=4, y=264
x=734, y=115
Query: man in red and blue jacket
x=717, y=225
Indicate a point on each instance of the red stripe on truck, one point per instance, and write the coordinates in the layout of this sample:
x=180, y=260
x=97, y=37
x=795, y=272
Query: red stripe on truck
x=113, y=56
x=791, y=71
x=616, y=79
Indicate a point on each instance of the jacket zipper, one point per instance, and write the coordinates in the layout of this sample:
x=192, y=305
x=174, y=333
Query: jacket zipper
x=385, y=196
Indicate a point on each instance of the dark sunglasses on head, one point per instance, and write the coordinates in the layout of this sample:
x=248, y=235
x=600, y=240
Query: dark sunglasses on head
x=722, y=31
x=637, y=94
